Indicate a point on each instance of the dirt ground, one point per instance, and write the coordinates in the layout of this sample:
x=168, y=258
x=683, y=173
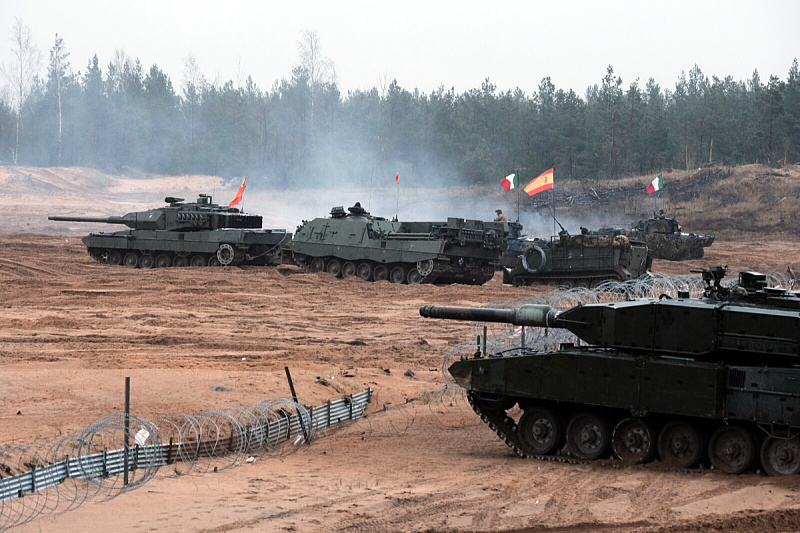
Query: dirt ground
x=71, y=329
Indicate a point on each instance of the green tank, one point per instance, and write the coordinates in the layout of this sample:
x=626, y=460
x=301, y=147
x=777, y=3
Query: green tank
x=355, y=243
x=678, y=378
x=199, y=233
x=667, y=240
x=585, y=260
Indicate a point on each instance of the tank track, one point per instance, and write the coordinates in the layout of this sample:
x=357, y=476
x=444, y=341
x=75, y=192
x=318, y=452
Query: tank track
x=505, y=428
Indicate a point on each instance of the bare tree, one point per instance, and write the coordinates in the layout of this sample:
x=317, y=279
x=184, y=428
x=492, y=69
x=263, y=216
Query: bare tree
x=21, y=72
x=320, y=69
x=193, y=86
x=58, y=73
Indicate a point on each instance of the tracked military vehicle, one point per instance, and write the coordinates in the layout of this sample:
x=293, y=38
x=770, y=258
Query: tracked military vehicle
x=681, y=378
x=199, y=233
x=355, y=243
x=585, y=260
x=667, y=240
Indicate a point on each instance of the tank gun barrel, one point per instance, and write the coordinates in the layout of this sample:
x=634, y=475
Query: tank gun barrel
x=542, y=316
x=101, y=220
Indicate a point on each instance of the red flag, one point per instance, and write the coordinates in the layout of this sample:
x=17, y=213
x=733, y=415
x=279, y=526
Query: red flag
x=397, y=178
x=239, y=194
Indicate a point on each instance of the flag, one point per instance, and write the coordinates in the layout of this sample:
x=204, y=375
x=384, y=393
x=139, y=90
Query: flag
x=397, y=178
x=509, y=182
x=655, y=185
x=542, y=183
x=239, y=194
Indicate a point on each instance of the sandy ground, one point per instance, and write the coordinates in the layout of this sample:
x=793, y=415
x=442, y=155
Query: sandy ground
x=71, y=329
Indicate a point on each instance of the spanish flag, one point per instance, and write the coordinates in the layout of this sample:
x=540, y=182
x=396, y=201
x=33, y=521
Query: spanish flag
x=239, y=194
x=542, y=183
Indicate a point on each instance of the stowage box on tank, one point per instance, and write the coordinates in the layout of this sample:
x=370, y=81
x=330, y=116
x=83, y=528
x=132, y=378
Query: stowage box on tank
x=568, y=260
x=184, y=234
x=681, y=378
x=355, y=243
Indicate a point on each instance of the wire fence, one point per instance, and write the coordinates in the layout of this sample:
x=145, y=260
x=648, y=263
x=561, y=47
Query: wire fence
x=113, y=456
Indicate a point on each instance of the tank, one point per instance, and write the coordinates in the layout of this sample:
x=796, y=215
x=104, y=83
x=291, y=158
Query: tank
x=199, y=233
x=355, y=243
x=667, y=240
x=585, y=260
x=682, y=379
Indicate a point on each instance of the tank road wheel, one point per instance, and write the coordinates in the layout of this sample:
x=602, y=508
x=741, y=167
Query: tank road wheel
x=566, y=284
x=732, y=449
x=397, y=275
x=114, y=258
x=588, y=436
x=380, y=273
x=414, y=276
x=364, y=271
x=213, y=261
x=197, y=261
x=680, y=444
x=180, y=261
x=163, y=261
x=348, y=269
x=633, y=441
x=225, y=254
x=540, y=431
x=131, y=260
x=334, y=267
x=425, y=267
x=317, y=264
x=781, y=457
x=147, y=261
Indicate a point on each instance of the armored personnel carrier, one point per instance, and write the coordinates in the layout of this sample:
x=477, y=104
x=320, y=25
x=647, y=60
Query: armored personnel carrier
x=666, y=240
x=199, y=233
x=677, y=378
x=355, y=243
x=584, y=260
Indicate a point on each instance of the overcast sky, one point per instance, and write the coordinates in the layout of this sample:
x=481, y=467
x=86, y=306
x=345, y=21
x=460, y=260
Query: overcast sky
x=427, y=43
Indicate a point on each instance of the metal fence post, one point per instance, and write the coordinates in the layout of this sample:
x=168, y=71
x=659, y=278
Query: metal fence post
x=127, y=429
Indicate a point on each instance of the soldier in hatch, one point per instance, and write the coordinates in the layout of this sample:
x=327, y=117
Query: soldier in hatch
x=500, y=216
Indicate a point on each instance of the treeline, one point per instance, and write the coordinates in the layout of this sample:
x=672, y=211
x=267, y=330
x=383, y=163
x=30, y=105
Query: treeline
x=304, y=130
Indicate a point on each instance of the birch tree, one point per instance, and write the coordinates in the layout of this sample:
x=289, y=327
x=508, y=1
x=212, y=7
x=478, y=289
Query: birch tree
x=21, y=72
x=58, y=78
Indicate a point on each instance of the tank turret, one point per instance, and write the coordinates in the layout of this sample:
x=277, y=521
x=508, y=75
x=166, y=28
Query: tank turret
x=178, y=216
x=680, y=377
x=182, y=233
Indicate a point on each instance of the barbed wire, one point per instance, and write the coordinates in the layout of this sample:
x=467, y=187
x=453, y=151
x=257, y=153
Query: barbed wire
x=99, y=463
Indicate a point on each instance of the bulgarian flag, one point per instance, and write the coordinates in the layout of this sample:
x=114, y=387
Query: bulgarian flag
x=655, y=185
x=509, y=182
x=239, y=194
x=542, y=183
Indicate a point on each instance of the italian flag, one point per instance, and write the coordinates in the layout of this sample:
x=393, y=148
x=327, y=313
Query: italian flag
x=509, y=182
x=655, y=185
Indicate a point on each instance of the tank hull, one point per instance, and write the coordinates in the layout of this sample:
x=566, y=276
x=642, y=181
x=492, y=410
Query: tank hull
x=376, y=249
x=575, y=261
x=243, y=247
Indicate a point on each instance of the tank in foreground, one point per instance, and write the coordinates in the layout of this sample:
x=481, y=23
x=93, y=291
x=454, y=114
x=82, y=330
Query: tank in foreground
x=681, y=379
x=356, y=243
x=199, y=233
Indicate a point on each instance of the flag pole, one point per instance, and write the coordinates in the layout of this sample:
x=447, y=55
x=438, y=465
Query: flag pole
x=519, y=182
x=554, y=210
x=397, y=204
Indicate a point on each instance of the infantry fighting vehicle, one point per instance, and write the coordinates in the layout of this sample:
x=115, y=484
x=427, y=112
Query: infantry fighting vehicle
x=355, y=243
x=678, y=377
x=584, y=260
x=666, y=240
x=184, y=234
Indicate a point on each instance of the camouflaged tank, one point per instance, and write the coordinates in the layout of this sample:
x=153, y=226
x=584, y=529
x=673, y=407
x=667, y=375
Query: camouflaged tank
x=681, y=378
x=355, y=243
x=584, y=260
x=666, y=240
x=199, y=233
